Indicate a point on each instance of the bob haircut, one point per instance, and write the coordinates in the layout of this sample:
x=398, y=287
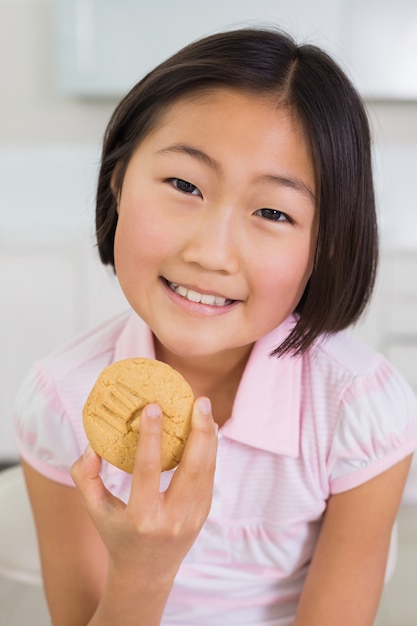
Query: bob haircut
x=306, y=81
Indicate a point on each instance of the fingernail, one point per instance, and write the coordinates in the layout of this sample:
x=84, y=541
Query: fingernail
x=87, y=451
x=204, y=406
x=153, y=410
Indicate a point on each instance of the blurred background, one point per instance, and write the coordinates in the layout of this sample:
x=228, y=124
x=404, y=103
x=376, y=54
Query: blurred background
x=64, y=64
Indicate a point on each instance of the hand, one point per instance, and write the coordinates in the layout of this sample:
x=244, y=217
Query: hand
x=151, y=534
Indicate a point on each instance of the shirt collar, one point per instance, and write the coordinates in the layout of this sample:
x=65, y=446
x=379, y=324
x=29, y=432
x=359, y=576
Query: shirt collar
x=266, y=411
x=135, y=340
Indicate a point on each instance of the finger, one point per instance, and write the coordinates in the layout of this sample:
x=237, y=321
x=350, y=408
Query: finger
x=86, y=475
x=200, y=451
x=147, y=469
x=192, y=483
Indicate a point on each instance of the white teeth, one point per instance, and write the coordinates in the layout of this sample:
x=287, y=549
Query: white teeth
x=194, y=296
x=206, y=299
x=182, y=291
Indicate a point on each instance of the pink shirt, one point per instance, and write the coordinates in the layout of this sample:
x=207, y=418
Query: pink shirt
x=302, y=428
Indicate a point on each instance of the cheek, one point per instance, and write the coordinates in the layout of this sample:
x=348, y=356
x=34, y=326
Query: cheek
x=142, y=239
x=121, y=245
x=133, y=230
x=128, y=245
x=282, y=278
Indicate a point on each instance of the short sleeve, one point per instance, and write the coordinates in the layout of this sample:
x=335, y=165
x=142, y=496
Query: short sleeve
x=45, y=435
x=377, y=427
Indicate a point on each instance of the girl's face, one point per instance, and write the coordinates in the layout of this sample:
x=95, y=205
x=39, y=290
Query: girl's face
x=217, y=223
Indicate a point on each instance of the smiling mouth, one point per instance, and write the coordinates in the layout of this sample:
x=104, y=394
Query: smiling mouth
x=195, y=296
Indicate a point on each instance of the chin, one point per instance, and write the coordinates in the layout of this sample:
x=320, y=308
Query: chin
x=190, y=351
x=189, y=346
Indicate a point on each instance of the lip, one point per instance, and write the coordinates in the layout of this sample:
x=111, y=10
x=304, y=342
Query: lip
x=198, y=308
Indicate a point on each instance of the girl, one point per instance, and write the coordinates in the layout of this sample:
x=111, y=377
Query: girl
x=235, y=202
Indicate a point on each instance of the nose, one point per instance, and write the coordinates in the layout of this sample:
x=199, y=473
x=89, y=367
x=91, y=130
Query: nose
x=213, y=240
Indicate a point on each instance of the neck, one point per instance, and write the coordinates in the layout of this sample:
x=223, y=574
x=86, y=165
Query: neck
x=217, y=376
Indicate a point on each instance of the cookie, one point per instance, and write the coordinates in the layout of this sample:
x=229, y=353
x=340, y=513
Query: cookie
x=112, y=412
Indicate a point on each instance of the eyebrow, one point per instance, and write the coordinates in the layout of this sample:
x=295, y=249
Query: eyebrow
x=293, y=183
x=193, y=152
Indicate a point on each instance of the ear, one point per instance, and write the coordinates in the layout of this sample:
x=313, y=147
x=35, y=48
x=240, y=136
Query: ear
x=116, y=184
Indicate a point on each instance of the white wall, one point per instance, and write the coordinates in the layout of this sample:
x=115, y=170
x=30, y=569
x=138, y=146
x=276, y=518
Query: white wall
x=51, y=283
x=50, y=279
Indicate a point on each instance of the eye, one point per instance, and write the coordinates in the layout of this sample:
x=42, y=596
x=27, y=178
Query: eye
x=273, y=215
x=184, y=186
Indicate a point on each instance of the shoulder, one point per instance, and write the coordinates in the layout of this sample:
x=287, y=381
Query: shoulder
x=375, y=410
x=66, y=375
x=96, y=344
x=48, y=406
x=343, y=353
x=360, y=380
x=359, y=371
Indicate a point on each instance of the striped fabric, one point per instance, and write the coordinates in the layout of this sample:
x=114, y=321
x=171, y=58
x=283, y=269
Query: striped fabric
x=301, y=429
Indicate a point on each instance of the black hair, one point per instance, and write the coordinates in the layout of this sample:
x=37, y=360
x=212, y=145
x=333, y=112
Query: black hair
x=305, y=80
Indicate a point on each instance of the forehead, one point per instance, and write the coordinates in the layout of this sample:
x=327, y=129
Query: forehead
x=210, y=103
x=248, y=121
x=242, y=136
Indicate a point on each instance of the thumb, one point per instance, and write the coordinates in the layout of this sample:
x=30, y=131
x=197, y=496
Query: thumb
x=86, y=475
x=87, y=467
